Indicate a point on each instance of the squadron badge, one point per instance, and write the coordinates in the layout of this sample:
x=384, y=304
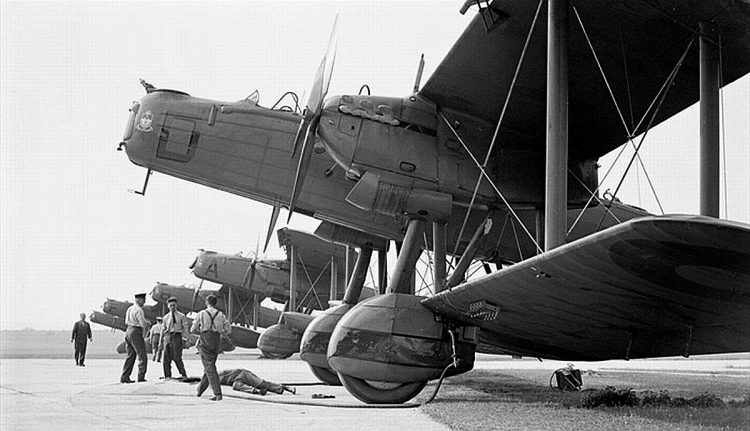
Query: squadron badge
x=144, y=124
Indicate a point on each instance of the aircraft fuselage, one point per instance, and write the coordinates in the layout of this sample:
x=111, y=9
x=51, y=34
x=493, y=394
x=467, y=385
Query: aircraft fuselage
x=391, y=168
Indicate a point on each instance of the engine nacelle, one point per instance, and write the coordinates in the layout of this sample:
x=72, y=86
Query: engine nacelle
x=394, y=338
x=244, y=337
x=108, y=320
x=282, y=340
x=314, y=345
x=122, y=349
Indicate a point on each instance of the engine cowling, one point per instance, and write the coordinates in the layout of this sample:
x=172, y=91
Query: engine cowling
x=244, y=337
x=394, y=338
x=314, y=344
x=282, y=340
x=122, y=349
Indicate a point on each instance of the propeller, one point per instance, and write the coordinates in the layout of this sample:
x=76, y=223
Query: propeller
x=305, y=136
x=196, y=291
x=151, y=294
x=251, y=269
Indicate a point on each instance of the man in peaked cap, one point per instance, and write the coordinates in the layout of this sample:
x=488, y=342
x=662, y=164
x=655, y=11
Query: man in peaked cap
x=174, y=326
x=135, y=345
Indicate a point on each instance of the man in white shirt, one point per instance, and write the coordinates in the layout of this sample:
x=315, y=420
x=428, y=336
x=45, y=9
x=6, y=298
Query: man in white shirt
x=211, y=324
x=174, y=326
x=155, y=338
x=135, y=345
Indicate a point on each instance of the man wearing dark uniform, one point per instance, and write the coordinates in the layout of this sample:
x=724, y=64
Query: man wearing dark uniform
x=80, y=337
x=174, y=324
x=246, y=381
x=135, y=345
x=211, y=324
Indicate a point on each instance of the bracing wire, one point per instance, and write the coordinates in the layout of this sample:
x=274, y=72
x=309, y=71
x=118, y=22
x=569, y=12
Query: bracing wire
x=499, y=123
x=617, y=106
x=657, y=97
x=490, y=181
x=650, y=122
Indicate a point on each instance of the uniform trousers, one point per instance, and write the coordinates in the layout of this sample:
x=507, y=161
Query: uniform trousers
x=155, y=339
x=80, y=350
x=135, y=345
x=173, y=352
x=209, y=346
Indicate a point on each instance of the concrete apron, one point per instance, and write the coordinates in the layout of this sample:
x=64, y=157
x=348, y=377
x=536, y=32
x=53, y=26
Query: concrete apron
x=39, y=393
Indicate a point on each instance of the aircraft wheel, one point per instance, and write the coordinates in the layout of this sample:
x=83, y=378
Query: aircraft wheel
x=270, y=355
x=325, y=375
x=372, y=392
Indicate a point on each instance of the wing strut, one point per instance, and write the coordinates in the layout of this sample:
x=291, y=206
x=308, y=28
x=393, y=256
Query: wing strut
x=556, y=178
x=459, y=273
x=709, y=125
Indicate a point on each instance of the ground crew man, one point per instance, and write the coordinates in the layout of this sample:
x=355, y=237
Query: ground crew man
x=80, y=336
x=135, y=345
x=174, y=325
x=154, y=336
x=211, y=324
x=246, y=381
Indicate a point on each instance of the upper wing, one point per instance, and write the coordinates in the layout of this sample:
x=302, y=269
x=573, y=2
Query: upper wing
x=638, y=43
x=654, y=286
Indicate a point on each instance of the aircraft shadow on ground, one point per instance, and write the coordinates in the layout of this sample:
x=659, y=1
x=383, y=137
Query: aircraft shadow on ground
x=487, y=387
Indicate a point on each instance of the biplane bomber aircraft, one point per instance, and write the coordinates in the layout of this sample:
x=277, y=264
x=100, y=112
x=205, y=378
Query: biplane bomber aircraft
x=247, y=281
x=494, y=159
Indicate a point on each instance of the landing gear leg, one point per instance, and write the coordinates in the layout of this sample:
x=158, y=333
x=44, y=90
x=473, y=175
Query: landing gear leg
x=407, y=258
x=387, y=348
x=354, y=288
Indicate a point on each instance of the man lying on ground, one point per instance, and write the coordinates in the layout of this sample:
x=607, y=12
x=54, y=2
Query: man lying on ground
x=246, y=381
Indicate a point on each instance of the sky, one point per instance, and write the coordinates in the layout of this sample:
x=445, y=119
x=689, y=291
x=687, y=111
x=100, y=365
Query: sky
x=72, y=235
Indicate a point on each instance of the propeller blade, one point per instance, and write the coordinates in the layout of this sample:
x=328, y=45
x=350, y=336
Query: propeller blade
x=302, y=164
x=311, y=118
x=302, y=126
x=324, y=73
x=252, y=276
x=271, y=226
x=195, y=294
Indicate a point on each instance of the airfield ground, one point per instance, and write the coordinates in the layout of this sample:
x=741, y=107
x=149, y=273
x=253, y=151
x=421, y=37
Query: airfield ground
x=41, y=393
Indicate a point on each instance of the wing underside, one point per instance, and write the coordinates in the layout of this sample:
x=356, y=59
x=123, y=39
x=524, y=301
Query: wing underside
x=650, y=287
x=313, y=251
x=637, y=42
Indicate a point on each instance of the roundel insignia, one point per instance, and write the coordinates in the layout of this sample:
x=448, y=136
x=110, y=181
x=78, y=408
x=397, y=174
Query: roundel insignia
x=144, y=124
